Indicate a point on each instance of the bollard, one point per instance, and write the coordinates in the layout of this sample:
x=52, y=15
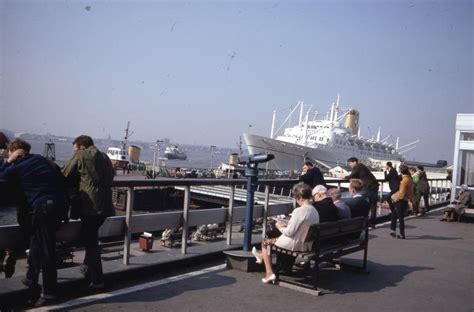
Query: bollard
x=230, y=214
x=187, y=200
x=128, y=227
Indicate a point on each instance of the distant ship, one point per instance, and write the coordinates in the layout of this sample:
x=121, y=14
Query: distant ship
x=119, y=155
x=327, y=142
x=174, y=152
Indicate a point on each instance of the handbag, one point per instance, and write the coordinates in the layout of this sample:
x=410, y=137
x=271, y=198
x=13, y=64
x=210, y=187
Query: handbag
x=394, y=196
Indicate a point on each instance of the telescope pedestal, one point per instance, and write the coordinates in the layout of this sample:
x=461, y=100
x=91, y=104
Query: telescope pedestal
x=242, y=261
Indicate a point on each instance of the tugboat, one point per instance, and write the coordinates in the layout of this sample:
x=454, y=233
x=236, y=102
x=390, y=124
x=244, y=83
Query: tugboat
x=119, y=155
x=174, y=152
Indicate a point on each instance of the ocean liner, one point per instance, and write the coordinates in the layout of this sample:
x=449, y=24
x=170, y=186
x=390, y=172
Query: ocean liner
x=327, y=142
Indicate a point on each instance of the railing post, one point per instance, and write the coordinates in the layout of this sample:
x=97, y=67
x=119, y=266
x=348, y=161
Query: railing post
x=128, y=226
x=230, y=214
x=381, y=198
x=265, y=210
x=187, y=200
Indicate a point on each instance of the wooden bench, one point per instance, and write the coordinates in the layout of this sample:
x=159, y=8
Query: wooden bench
x=331, y=241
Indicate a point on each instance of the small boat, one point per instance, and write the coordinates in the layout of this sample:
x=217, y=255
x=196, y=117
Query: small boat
x=174, y=152
x=119, y=155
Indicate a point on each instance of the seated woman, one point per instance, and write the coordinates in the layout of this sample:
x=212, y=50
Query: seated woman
x=293, y=233
x=462, y=201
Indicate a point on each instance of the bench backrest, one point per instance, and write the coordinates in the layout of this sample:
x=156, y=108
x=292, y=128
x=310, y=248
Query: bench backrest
x=329, y=230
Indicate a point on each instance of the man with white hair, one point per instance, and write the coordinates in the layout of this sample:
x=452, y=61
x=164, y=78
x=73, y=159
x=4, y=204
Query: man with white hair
x=326, y=209
x=343, y=210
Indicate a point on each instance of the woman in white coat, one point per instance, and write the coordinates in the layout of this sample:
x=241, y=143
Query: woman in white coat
x=293, y=233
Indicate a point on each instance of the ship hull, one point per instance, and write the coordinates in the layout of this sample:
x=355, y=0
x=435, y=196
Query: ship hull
x=289, y=156
x=176, y=156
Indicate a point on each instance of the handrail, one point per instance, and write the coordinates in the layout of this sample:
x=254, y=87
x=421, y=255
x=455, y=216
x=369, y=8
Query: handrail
x=439, y=193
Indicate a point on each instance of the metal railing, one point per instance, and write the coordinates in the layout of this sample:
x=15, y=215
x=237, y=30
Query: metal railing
x=130, y=223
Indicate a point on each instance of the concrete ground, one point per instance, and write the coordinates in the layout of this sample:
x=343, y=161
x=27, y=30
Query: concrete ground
x=429, y=271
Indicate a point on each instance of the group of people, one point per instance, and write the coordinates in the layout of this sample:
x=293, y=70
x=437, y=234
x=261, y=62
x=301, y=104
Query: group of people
x=48, y=196
x=317, y=204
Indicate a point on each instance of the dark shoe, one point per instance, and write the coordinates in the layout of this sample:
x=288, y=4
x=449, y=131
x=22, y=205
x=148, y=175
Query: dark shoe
x=443, y=220
x=401, y=236
x=84, y=270
x=28, y=283
x=371, y=225
x=42, y=301
x=96, y=286
x=393, y=234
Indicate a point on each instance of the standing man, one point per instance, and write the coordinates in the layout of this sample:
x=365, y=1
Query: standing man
x=312, y=176
x=90, y=174
x=393, y=179
x=370, y=186
x=40, y=215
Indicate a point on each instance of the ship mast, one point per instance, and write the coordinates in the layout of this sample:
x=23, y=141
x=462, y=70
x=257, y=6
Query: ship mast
x=127, y=134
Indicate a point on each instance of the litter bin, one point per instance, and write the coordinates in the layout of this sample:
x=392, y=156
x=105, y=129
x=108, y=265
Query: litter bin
x=146, y=241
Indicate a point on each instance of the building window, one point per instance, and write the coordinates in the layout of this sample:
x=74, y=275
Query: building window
x=467, y=136
x=467, y=168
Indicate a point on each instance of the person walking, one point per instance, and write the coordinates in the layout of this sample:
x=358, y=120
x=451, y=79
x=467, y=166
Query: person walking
x=39, y=217
x=391, y=176
x=424, y=188
x=312, y=176
x=89, y=174
x=415, y=176
x=400, y=200
x=370, y=186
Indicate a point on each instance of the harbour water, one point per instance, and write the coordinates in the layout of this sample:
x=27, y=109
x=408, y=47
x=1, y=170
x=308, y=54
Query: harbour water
x=198, y=158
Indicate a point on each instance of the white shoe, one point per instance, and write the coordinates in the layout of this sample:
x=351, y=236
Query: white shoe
x=271, y=279
x=255, y=254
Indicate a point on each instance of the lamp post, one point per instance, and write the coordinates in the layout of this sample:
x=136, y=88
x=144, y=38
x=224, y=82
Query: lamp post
x=212, y=155
x=157, y=152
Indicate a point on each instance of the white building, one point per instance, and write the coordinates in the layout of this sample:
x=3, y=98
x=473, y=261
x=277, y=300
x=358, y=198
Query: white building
x=463, y=162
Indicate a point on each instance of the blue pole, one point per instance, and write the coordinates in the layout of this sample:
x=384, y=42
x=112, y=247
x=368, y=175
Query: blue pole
x=252, y=179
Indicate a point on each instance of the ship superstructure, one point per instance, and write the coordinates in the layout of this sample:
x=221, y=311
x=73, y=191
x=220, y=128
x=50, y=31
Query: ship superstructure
x=327, y=142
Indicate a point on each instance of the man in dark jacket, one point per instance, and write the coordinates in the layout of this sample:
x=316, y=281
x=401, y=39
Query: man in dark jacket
x=44, y=206
x=324, y=205
x=358, y=204
x=393, y=179
x=312, y=175
x=90, y=174
x=370, y=186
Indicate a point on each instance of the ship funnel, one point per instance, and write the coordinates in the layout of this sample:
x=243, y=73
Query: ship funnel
x=352, y=121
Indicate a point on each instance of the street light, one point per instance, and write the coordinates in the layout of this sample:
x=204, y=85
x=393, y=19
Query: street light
x=157, y=152
x=212, y=155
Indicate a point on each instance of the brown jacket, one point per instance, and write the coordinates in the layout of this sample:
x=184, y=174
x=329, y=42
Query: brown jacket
x=406, y=190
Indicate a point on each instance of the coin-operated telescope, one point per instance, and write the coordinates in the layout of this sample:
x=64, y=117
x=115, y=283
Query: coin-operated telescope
x=251, y=172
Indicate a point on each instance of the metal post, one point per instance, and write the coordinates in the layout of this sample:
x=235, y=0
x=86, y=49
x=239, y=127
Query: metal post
x=251, y=185
x=265, y=210
x=187, y=200
x=230, y=214
x=381, y=198
x=128, y=227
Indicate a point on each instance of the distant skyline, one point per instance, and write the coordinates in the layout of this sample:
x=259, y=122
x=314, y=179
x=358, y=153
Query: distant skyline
x=204, y=72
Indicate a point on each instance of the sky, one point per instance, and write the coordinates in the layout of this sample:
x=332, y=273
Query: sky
x=204, y=72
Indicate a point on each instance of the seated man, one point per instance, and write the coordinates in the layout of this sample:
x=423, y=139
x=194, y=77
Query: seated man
x=358, y=204
x=343, y=210
x=326, y=209
x=462, y=201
